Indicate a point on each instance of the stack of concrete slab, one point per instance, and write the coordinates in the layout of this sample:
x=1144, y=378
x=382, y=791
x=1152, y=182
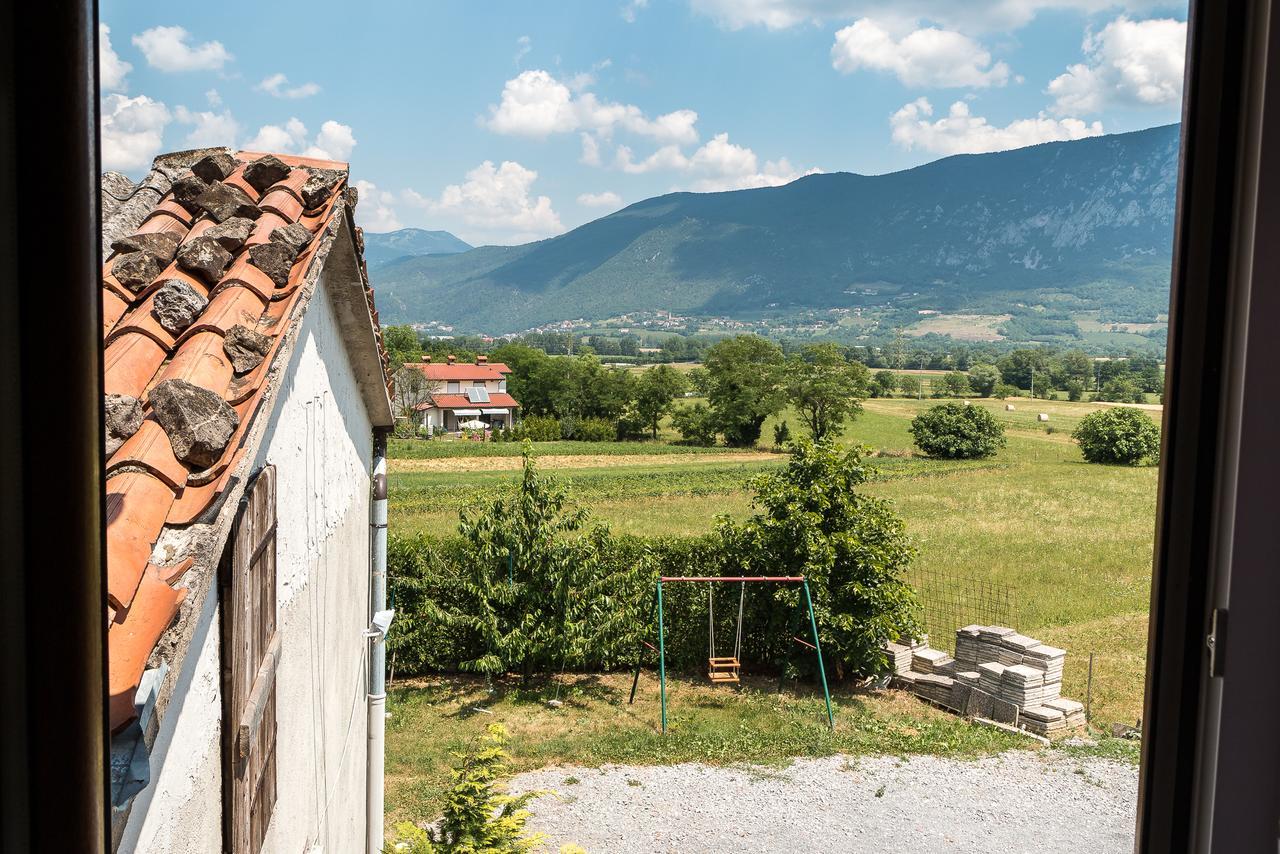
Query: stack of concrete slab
x=997, y=672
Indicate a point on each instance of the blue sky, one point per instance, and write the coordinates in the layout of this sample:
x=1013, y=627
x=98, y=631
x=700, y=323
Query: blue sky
x=511, y=121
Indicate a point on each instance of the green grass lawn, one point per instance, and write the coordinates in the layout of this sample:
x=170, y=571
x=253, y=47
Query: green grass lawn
x=1072, y=541
x=442, y=448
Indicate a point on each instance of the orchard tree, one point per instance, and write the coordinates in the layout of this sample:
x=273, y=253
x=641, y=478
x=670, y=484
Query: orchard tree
x=883, y=384
x=825, y=389
x=952, y=384
x=909, y=385
x=984, y=378
x=696, y=424
x=957, y=431
x=655, y=391
x=745, y=378
x=1118, y=435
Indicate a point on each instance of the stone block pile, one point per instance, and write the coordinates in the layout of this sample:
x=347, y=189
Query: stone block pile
x=996, y=673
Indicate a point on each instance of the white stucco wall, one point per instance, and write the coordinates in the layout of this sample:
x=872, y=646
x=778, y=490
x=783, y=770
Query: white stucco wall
x=319, y=438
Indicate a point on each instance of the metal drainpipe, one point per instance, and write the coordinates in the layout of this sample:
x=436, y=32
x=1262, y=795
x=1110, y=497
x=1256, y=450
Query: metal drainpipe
x=377, y=699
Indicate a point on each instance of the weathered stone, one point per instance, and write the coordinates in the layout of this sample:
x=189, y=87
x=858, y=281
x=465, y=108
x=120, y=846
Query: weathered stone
x=204, y=257
x=177, y=305
x=294, y=235
x=318, y=188
x=245, y=347
x=198, y=422
x=161, y=244
x=265, y=171
x=224, y=201
x=274, y=259
x=352, y=196
x=187, y=191
x=214, y=167
x=136, y=270
x=360, y=240
x=124, y=417
x=231, y=234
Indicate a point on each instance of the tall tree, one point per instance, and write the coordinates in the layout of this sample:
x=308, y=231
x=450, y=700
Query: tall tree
x=983, y=379
x=655, y=392
x=403, y=345
x=825, y=388
x=745, y=375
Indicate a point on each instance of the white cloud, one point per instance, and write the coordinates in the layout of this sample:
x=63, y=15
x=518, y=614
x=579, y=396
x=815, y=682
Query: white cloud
x=607, y=199
x=972, y=16
x=535, y=104
x=277, y=86
x=208, y=128
x=632, y=8
x=524, y=44
x=959, y=132
x=213, y=98
x=1129, y=63
x=374, y=211
x=335, y=140
x=167, y=49
x=132, y=131
x=590, y=150
x=494, y=203
x=112, y=70
x=927, y=57
x=717, y=165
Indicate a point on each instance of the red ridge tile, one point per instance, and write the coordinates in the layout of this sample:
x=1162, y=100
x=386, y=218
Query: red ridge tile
x=171, y=209
x=131, y=640
x=292, y=184
x=244, y=273
x=236, y=179
x=137, y=504
x=142, y=320
x=267, y=223
x=282, y=202
x=202, y=362
x=149, y=448
x=231, y=305
x=113, y=308
x=129, y=363
x=196, y=500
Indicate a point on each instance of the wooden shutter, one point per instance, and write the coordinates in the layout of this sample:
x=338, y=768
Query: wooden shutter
x=250, y=651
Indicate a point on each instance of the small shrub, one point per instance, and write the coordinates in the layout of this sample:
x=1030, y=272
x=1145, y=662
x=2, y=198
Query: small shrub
x=1004, y=390
x=477, y=818
x=540, y=428
x=781, y=434
x=1118, y=436
x=696, y=424
x=957, y=432
x=596, y=430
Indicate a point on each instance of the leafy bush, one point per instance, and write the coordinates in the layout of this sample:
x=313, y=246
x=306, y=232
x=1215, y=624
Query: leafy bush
x=1003, y=390
x=596, y=430
x=540, y=428
x=984, y=378
x=781, y=434
x=696, y=424
x=477, y=818
x=1118, y=436
x=957, y=431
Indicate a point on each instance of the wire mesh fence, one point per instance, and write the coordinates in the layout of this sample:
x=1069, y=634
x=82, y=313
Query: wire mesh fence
x=952, y=600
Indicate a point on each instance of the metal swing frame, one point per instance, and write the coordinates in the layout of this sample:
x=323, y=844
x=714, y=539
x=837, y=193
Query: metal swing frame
x=661, y=649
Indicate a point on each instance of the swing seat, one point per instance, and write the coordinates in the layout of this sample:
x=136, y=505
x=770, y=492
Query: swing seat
x=723, y=669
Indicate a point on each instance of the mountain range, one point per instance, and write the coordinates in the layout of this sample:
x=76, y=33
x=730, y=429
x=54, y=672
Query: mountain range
x=1058, y=227
x=385, y=247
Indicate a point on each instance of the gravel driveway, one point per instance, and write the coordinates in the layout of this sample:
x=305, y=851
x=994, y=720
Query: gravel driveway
x=1021, y=801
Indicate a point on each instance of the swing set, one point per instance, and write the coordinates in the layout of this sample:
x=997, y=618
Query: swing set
x=725, y=669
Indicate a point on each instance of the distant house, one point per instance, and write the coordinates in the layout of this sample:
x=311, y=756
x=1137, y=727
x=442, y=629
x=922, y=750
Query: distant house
x=460, y=393
x=245, y=377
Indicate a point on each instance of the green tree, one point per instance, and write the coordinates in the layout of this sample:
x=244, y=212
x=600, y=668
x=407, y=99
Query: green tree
x=1076, y=365
x=909, y=385
x=700, y=380
x=883, y=384
x=696, y=424
x=746, y=386
x=402, y=344
x=540, y=598
x=957, y=431
x=813, y=519
x=1120, y=389
x=1118, y=436
x=825, y=388
x=952, y=384
x=655, y=392
x=984, y=378
x=1017, y=365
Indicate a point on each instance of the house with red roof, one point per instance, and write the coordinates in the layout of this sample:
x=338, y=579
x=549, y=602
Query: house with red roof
x=247, y=391
x=460, y=393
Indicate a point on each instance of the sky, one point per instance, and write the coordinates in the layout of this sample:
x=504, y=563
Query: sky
x=505, y=122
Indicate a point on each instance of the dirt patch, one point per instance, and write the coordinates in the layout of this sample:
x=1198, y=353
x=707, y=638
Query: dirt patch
x=576, y=461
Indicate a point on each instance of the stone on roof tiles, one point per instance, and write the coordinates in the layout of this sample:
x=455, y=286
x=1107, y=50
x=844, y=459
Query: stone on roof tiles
x=205, y=257
x=224, y=201
x=177, y=305
x=316, y=191
x=275, y=259
x=198, y=422
x=136, y=270
x=187, y=191
x=245, y=347
x=161, y=244
x=124, y=417
x=231, y=234
x=214, y=167
x=351, y=196
x=294, y=234
x=265, y=171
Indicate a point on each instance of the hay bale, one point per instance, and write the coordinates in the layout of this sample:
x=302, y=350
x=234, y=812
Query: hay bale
x=1043, y=416
x=1008, y=407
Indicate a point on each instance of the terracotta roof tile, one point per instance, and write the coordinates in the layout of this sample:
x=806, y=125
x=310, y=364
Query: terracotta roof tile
x=457, y=371
x=497, y=400
x=148, y=487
